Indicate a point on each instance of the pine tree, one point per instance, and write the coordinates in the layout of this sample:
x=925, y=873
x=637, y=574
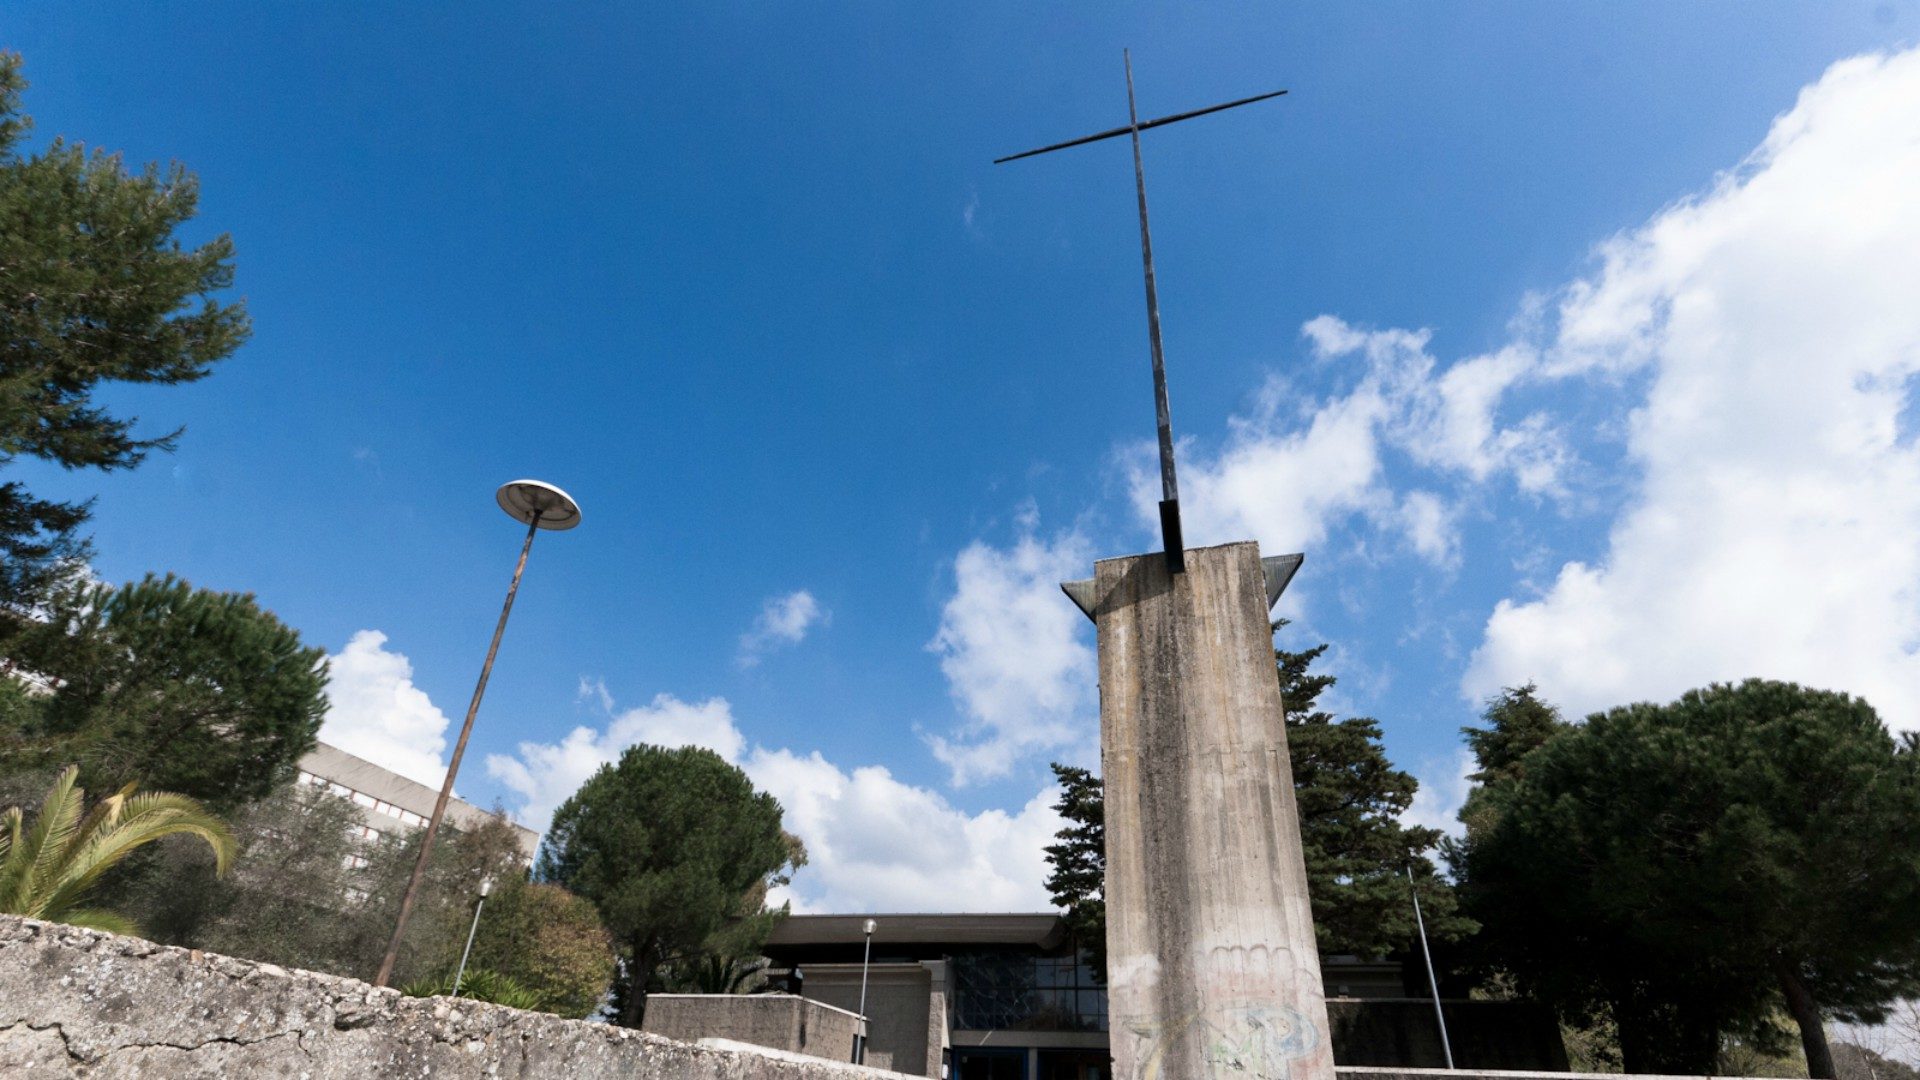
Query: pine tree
x=1691, y=868
x=674, y=847
x=94, y=288
x=177, y=688
x=1079, y=879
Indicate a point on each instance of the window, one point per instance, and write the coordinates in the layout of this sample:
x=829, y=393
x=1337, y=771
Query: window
x=1006, y=990
x=356, y=862
x=357, y=896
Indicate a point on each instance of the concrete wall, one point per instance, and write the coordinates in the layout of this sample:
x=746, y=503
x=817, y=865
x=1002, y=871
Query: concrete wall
x=778, y=1021
x=80, y=1003
x=906, y=1011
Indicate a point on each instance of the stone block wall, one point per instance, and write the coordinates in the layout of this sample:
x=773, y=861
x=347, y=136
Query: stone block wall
x=78, y=1003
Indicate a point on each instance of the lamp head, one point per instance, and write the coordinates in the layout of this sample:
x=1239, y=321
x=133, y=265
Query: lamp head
x=871, y=927
x=528, y=501
x=486, y=887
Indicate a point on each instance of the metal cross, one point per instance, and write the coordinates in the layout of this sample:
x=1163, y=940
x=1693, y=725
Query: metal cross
x=1169, y=486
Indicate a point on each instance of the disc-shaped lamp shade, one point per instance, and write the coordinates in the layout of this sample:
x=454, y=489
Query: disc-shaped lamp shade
x=528, y=501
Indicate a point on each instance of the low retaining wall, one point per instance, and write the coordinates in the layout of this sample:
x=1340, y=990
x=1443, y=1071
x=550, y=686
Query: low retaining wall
x=79, y=1003
x=776, y=1021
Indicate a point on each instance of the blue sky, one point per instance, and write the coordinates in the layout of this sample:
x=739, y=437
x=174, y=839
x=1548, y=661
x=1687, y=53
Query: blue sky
x=1571, y=343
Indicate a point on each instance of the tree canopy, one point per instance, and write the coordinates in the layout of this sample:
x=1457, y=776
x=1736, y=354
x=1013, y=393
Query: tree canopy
x=676, y=849
x=548, y=940
x=1689, y=867
x=97, y=288
x=1356, y=848
x=177, y=688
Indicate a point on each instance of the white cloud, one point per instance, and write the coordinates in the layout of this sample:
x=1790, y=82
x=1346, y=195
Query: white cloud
x=1015, y=654
x=1442, y=792
x=1773, y=530
x=375, y=711
x=874, y=843
x=545, y=774
x=1294, y=467
x=783, y=621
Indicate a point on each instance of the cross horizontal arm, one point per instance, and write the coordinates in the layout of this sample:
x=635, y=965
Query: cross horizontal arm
x=1125, y=128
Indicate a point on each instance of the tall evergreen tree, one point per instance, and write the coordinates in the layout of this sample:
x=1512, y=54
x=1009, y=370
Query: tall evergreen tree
x=1356, y=848
x=95, y=287
x=676, y=848
x=180, y=689
x=1078, y=882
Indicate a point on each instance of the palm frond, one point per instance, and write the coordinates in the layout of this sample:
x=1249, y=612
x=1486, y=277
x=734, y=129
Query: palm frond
x=111, y=922
x=140, y=820
x=9, y=867
x=46, y=870
x=46, y=842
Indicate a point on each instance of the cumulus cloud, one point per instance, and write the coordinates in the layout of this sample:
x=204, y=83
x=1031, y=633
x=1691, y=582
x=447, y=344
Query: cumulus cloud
x=783, y=621
x=1773, y=529
x=1016, y=654
x=874, y=843
x=375, y=711
x=545, y=774
x=1442, y=792
x=1294, y=466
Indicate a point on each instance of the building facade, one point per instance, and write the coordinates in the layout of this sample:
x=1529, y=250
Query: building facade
x=390, y=804
x=1010, y=997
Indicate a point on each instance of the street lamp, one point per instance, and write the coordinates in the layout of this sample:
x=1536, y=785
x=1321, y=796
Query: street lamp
x=486, y=886
x=536, y=505
x=1432, y=982
x=860, y=1041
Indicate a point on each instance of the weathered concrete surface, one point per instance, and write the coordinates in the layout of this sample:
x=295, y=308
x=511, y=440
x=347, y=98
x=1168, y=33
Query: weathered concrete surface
x=1212, y=966
x=906, y=1010
x=78, y=1003
x=777, y=1021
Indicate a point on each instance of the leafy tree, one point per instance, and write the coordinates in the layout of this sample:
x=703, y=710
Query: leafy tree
x=1687, y=867
x=96, y=289
x=548, y=940
x=48, y=870
x=198, y=692
x=674, y=847
x=1356, y=849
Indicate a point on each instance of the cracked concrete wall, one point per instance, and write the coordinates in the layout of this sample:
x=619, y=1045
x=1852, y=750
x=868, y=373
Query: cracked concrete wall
x=79, y=1003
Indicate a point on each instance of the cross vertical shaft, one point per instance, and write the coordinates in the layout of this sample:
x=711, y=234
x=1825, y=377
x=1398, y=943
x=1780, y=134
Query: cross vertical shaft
x=1163, y=412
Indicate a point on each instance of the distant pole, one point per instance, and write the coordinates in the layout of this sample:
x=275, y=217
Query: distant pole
x=860, y=1040
x=539, y=506
x=1433, y=982
x=486, y=886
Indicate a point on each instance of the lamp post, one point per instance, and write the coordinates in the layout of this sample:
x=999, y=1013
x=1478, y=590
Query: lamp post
x=536, y=505
x=860, y=1041
x=486, y=886
x=1434, y=983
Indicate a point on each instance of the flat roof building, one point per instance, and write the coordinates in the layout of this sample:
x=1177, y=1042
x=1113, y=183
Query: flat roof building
x=391, y=804
x=1011, y=997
